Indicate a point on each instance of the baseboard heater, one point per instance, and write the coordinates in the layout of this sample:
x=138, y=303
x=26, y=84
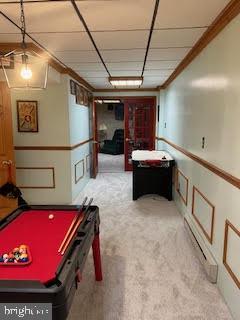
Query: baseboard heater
x=204, y=255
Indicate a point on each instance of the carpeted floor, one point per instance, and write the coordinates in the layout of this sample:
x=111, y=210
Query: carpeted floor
x=110, y=163
x=150, y=270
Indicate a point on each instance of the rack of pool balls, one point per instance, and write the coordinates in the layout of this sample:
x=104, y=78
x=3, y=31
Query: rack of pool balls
x=19, y=255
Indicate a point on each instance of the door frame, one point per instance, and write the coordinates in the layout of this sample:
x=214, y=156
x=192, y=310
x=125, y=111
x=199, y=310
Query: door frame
x=7, y=205
x=123, y=98
x=127, y=166
x=94, y=141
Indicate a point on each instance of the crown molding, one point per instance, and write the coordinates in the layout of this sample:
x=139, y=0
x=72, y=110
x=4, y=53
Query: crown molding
x=125, y=90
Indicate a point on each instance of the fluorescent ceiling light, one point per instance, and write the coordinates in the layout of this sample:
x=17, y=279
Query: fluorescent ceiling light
x=108, y=101
x=111, y=101
x=126, y=81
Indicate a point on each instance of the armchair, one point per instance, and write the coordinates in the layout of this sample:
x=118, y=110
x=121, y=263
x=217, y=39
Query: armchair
x=116, y=145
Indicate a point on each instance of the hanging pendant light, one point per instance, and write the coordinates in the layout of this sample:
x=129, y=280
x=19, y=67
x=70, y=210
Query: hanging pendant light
x=30, y=70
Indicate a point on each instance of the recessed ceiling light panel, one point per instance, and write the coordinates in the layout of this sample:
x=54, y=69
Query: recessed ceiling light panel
x=126, y=81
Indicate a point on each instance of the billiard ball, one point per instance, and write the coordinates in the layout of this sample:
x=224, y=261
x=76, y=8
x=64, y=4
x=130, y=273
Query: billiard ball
x=15, y=250
x=23, y=248
x=5, y=258
x=24, y=257
x=10, y=256
x=51, y=216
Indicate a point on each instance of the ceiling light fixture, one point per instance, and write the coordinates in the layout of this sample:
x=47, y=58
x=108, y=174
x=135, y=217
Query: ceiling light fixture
x=24, y=68
x=107, y=101
x=126, y=81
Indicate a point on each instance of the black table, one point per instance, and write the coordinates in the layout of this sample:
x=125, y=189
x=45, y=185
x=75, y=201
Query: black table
x=152, y=177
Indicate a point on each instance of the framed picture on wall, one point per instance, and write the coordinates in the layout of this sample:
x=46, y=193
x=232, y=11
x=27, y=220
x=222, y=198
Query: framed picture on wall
x=27, y=116
x=73, y=87
x=85, y=98
x=90, y=99
x=79, y=94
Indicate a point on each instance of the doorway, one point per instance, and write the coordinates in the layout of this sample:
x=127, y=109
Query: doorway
x=123, y=124
x=110, y=132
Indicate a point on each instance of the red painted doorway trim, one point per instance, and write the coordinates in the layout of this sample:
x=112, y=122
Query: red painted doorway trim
x=140, y=126
x=125, y=99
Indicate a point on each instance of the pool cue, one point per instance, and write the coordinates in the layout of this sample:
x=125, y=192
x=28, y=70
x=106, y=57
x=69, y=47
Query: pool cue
x=72, y=224
x=77, y=224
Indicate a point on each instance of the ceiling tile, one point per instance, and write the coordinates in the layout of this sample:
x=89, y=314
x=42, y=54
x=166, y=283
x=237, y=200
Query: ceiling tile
x=125, y=73
x=93, y=74
x=117, y=15
x=45, y=17
x=77, y=56
x=123, y=55
x=158, y=73
x=188, y=13
x=64, y=41
x=154, y=79
x=167, y=54
x=121, y=39
x=125, y=66
x=161, y=64
x=87, y=66
x=6, y=26
x=176, y=37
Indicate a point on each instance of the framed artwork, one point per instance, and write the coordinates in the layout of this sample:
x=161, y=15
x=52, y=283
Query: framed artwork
x=27, y=116
x=90, y=98
x=73, y=87
x=7, y=62
x=79, y=94
x=85, y=97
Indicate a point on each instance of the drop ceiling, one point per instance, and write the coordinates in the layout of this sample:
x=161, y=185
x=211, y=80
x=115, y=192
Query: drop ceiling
x=120, y=29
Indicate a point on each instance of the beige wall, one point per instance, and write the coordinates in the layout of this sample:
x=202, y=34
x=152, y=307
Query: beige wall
x=204, y=101
x=61, y=123
x=53, y=131
x=79, y=132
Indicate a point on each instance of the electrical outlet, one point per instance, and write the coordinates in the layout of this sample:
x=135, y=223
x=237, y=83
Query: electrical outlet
x=203, y=142
x=165, y=125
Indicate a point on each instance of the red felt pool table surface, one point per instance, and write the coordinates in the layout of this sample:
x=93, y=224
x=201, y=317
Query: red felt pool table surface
x=43, y=236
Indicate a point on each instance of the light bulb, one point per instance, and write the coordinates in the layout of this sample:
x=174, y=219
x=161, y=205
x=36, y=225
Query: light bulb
x=26, y=72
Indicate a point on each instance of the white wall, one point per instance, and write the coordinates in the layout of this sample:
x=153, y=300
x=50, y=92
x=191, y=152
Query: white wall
x=79, y=132
x=204, y=101
x=53, y=125
x=62, y=123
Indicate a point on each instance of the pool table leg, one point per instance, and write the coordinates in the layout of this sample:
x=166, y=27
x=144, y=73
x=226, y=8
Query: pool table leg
x=97, y=257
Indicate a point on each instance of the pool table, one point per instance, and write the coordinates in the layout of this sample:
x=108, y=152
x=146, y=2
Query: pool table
x=50, y=277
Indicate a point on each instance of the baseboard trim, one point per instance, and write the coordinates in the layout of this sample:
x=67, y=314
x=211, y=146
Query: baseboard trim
x=204, y=255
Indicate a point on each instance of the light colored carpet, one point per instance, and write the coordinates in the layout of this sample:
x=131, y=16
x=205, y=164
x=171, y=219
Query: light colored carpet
x=110, y=163
x=150, y=270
